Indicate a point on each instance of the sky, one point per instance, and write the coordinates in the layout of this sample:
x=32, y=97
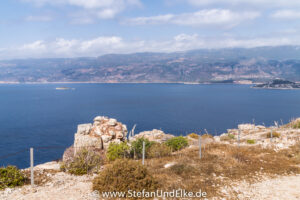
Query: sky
x=88, y=28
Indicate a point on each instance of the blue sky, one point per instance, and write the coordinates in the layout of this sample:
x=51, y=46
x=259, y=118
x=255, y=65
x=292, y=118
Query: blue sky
x=72, y=28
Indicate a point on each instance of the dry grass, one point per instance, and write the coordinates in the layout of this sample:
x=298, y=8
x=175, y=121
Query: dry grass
x=206, y=135
x=221, y=164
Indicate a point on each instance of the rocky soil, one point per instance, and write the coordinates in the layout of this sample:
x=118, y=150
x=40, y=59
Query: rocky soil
x=279, y=188
x=60, y=186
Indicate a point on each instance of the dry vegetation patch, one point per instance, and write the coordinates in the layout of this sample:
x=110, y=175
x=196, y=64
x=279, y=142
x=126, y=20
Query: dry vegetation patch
x=295, y=124
x=221, y=164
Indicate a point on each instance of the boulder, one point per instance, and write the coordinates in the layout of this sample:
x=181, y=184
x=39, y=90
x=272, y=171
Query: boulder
x=84, y=129
x=87, y=141
x=154, y=135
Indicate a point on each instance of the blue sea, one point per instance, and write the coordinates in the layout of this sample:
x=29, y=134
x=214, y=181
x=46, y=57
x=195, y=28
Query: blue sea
x=39, y=116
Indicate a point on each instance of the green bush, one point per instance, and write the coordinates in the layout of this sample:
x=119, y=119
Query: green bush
x=10, y=177
x=84, y=162
x=231, y=136
x=124, y=175
x=177, y=143
x=158, y=150
x=251, y=141
x=116, y=151
x=274, y=135
x=137, y=147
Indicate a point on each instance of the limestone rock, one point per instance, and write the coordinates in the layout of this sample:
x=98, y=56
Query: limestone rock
x=86, y=141
x=260, y=127
x=154, y=135
x=246, y=126
x=84, y=129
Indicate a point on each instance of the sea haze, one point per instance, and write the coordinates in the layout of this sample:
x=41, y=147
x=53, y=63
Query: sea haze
x=38, y=115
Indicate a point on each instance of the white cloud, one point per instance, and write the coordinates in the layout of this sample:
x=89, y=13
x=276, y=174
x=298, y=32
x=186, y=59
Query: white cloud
x=37, y=45
x=113, y=44
x=269, y=3
x=41, y=18
x=286, y=14
x=202, y=17
x=103, y=9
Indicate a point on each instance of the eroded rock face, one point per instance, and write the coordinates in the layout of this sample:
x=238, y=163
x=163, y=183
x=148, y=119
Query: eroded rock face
x=154, y=135
x=100, y=134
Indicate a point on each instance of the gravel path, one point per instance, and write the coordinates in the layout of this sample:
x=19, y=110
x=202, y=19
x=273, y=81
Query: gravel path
x=285, y=187
x=63, y=187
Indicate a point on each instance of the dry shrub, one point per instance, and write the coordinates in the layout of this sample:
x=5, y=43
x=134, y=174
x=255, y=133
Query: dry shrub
x=293, y=153
x=68, y=154
x=182, y=169
x=85, y=161
x=274, y=135
x=124, y=175
x=227, y=137
x=158, y=150
x=295, y=124
x=193, y=135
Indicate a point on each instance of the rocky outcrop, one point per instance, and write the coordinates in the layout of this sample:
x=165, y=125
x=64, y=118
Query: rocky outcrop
x=154, y=135
x=283, y=137
x=100, y=134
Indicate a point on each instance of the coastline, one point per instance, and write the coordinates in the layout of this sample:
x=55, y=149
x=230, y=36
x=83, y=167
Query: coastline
x=92, y=82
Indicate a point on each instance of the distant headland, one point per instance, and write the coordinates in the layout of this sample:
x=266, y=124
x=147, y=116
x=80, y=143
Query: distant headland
x=279, y=84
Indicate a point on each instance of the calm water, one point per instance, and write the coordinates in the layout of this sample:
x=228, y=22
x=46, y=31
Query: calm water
x=39, y=115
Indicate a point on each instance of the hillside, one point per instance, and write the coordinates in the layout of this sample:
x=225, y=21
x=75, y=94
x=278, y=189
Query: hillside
x=256, y=64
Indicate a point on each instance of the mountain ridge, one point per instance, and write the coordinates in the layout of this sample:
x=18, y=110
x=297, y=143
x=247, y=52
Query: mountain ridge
x=200, y=66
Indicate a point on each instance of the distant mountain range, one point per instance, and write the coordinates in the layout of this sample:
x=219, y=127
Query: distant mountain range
x=215, y=65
